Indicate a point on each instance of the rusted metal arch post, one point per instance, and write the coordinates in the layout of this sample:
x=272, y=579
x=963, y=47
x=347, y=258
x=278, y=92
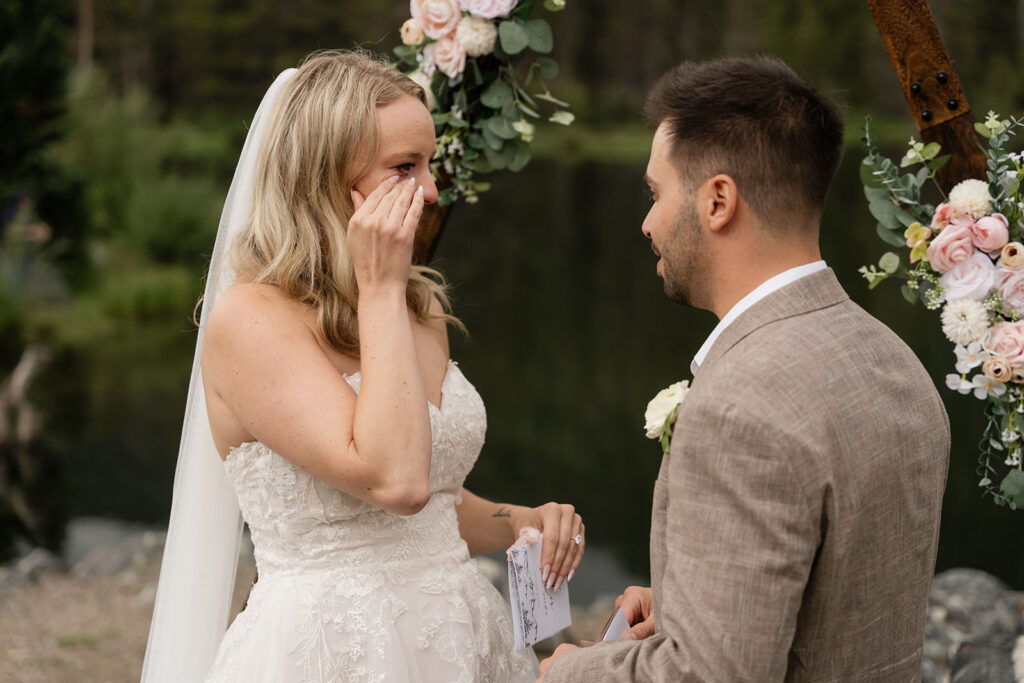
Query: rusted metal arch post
x=931, y=85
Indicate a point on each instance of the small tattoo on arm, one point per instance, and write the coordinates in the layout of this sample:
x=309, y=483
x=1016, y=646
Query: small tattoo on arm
x=502, y=512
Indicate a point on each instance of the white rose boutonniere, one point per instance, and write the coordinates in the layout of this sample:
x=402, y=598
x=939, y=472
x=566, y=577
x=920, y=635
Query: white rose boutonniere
x=662, y=410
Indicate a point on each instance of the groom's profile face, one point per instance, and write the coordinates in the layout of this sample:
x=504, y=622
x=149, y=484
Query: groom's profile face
x=673, y=226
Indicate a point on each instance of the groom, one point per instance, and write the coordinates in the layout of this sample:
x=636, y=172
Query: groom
x=796, y=515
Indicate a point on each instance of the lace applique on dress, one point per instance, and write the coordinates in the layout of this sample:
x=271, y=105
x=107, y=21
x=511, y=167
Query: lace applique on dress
x=349, y=592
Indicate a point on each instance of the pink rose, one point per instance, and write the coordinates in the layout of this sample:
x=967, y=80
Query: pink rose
x=1011, y=289
x=950, y=247
x=991, y=233
x=437, y=17
x=1007, y=340
x=488, y=8
x=972, y=278
x=944, y=215
x=449, y=56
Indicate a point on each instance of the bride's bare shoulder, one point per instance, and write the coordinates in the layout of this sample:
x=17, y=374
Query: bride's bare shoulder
x=255, y=311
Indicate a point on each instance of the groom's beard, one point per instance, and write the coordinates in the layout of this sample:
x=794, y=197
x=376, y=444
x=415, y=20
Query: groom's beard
x=683, y=259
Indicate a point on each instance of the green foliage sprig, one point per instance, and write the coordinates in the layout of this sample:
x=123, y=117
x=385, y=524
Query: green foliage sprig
x=482, y=111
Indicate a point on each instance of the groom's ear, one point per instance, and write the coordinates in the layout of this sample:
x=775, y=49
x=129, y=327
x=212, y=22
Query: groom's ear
x=720, y=202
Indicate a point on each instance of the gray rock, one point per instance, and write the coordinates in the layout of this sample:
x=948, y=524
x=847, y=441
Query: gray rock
x=984, y=662
x=128, y=554
x=973, y=622
x=37, y=562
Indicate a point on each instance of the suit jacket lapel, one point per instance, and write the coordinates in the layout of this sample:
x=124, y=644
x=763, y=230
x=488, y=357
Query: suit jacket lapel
x=815, y=291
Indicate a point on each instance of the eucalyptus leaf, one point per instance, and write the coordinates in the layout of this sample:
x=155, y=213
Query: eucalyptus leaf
x=529, y=112
x=476, y=141
x=908, y=294
x=931, y=150
x=539, y=32
x=890, y=237
x=876, y=194
x=502, y=127
x=548, y=67
x=481, y=165
x=867, y=175
x=513, y=36
x=521, y=158
x=1013, y=487
x=884, y=212
x=492, y=140
x=548, y=97
x=554, y=5
x=497, y=94
x=889, y=262
x=501, y=158
x=508, y=111
x=456, y=122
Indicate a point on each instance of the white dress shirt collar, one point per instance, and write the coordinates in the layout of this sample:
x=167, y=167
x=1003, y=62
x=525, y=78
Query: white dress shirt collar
x=770, y=285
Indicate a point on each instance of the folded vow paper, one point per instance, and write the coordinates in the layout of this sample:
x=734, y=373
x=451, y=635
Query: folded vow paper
x=536, y=612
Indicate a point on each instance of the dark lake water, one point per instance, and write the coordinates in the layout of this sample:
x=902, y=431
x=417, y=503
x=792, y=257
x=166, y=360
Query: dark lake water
x=570, y=337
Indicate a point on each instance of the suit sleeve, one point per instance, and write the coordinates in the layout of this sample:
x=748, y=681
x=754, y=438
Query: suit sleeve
x=740, y=538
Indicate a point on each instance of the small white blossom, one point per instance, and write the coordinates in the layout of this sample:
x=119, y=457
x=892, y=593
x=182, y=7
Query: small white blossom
x=425, y=60
x=970, y=357
x=986, y=386
x=958, y=383
x=563, y=117
x=972, y=196
x=1009, y=436
x=455, y=147
x=1013, y=460
x=964, y=321
x=525, y=129
x=449, y=167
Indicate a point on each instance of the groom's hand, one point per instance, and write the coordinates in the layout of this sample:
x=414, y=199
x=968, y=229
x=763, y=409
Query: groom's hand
x=637, y=606
x=559, y=651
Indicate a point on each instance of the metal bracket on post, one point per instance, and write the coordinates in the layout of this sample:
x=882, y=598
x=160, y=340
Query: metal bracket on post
x=931, y=85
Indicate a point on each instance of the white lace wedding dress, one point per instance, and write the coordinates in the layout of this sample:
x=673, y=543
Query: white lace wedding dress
x=349, y=592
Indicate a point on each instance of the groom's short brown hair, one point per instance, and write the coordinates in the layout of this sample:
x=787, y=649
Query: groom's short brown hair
x=755, y=120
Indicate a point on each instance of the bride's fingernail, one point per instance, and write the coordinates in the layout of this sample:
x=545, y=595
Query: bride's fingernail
x=392, y=178
x=569, y=578
x=558, y=584
x=544, y=574
x=419, y=190
x=412, y=180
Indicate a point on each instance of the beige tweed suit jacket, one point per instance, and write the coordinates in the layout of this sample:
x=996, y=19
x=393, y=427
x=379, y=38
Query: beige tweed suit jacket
x=796, y=516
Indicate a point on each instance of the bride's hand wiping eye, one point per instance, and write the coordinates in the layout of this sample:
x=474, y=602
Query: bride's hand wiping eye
x=381, y=232
x=559, y=523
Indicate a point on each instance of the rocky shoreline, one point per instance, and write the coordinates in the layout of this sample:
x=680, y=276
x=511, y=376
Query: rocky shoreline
x=88, y=620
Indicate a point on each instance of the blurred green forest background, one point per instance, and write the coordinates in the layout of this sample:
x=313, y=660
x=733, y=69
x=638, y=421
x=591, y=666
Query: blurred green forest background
x=121, y=123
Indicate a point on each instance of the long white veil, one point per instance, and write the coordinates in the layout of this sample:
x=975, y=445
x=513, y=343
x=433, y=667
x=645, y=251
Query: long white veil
x=200, y=559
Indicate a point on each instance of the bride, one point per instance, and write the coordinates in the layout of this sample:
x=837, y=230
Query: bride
x=322, y=380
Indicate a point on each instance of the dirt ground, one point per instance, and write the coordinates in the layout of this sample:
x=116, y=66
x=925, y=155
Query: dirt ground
x=70, y=629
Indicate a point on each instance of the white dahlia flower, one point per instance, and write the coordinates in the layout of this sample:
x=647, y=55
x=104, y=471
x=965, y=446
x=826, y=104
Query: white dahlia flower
x=964, y=321
x=972, y=196
x=477, y=35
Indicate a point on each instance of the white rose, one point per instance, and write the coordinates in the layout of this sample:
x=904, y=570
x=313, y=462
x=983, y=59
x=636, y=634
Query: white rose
x=972, y=278
x=423, y=80
x=661, y=406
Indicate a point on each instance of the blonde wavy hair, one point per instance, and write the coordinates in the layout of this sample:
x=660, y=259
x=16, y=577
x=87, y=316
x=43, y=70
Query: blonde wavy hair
x=323, y=136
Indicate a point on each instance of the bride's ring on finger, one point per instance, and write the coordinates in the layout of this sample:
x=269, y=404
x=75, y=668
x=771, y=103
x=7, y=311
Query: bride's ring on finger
x=577, y=539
